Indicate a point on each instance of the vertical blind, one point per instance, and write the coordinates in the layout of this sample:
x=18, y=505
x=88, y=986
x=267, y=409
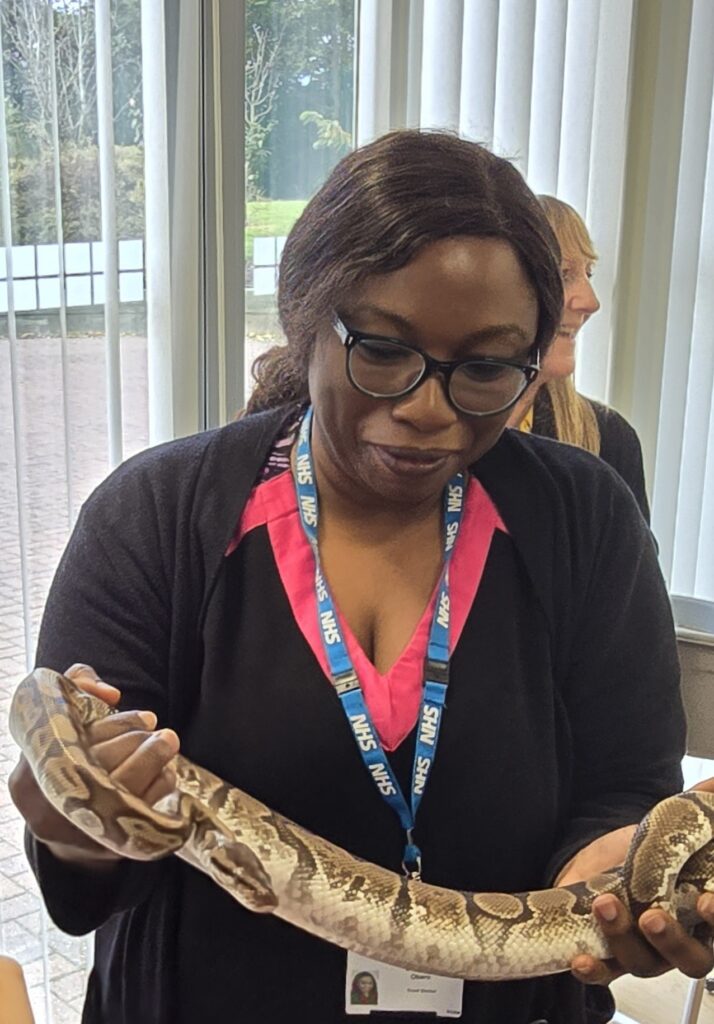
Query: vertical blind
x=72, y=404
x=544, y=84
x=549, y=84
x=684, y=470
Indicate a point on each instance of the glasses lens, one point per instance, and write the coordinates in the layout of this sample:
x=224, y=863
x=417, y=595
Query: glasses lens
x=384, y=368
x=486, y=387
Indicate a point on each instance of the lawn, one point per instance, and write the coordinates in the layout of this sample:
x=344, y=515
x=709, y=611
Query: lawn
x=270, y=217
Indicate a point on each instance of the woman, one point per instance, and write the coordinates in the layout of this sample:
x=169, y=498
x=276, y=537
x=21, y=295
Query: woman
x=364, y=990
x=553, y=408
x=416, y=293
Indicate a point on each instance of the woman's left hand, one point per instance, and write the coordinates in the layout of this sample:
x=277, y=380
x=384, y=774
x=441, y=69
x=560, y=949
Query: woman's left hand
x=652, y=945
x=655, y=944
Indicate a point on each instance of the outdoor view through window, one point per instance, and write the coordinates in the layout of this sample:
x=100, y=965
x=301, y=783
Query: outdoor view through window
x=74, y=399
x=298, y=123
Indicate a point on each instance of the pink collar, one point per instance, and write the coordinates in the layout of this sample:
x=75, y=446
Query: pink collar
x=393, y=698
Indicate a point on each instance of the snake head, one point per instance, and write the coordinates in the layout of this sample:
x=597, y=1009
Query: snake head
x=234, y=866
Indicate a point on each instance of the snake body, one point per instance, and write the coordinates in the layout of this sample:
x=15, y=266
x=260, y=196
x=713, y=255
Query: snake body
x=272, y=865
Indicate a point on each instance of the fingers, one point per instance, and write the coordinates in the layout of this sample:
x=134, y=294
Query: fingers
x=590, y=971
x=704, y=786
x=87, y=679
x=138, y=760
x=631, y=954
x=657, y=944
x=125, y=744
x=116, y=725
x=705, y=908
x=45, y=823
x=163, y=785
x=674, y=946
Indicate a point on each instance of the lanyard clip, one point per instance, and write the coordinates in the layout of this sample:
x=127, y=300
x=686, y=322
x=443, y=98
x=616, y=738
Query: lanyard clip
x=411, y=860
x=436, y=671
x=345, y=682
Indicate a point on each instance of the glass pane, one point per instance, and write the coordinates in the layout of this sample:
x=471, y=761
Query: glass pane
x=300, y=69
x=53, y=430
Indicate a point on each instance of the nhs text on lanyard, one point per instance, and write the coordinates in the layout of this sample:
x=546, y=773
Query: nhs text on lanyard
x=342, y=671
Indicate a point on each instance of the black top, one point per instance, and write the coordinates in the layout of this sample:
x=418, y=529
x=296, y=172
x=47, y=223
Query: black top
x=563, y=722
x=619, y=444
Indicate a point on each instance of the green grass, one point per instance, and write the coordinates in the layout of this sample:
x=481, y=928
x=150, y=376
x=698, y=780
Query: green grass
x=270, y=217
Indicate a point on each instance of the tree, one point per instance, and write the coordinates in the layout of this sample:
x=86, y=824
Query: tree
x=29, y=29
x=297, y=51
x=262, y=80
x=330, y=133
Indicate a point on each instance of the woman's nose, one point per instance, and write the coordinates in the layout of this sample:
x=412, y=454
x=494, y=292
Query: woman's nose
x=581, y=297
x=427, y=408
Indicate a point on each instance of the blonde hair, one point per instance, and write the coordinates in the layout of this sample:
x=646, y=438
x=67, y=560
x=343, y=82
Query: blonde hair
x=573, y=416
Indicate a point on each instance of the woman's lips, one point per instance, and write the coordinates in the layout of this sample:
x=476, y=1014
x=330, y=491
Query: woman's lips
x=412, y=461
x=572, y=329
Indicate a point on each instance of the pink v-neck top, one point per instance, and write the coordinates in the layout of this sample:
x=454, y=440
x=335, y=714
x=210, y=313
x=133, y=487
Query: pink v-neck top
x=393, y=697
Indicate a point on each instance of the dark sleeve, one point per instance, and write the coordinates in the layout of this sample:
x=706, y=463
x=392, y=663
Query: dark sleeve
x=109, y=606
x=621, y=689
x=620, y=448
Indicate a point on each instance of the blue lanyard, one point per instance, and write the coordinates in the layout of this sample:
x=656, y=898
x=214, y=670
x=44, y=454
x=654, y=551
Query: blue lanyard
x=342, y=672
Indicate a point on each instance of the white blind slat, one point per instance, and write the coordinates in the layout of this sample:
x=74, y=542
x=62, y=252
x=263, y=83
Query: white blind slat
x=581, y=46
x=374, y=69
x=478, y=70
x=441, y=64
x=107, y=184
x=158, y=241
x=547, y=99
x=605, y=186
x=514, y=79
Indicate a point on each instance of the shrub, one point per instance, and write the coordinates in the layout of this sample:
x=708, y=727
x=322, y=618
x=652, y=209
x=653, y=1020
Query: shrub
x=32, y=191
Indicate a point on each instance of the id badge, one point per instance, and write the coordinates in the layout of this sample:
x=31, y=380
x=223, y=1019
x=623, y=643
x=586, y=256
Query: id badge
x=374, y=987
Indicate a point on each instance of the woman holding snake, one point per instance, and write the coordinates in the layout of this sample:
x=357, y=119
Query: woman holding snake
x=316, y=654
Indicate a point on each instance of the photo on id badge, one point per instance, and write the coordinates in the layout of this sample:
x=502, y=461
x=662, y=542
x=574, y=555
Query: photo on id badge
x=364, y=990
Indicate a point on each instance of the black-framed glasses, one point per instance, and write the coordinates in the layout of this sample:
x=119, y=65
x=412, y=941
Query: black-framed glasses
x=387, y=368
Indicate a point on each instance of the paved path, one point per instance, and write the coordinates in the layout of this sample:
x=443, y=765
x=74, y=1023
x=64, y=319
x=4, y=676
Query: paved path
x=54, y=963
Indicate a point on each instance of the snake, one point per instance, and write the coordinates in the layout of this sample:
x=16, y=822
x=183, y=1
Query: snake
x=270, y=864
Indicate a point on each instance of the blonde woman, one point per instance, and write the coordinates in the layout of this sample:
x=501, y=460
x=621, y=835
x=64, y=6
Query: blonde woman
x=552, y=407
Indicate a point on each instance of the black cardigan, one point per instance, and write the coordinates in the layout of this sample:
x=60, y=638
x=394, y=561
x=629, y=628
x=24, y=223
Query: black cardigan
x=136, y=593
x=619, y=444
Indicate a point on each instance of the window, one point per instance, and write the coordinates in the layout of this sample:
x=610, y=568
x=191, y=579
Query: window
x=73, y=357
x=299, y=96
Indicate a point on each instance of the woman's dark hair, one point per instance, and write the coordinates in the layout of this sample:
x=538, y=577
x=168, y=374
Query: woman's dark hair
x=380, y=206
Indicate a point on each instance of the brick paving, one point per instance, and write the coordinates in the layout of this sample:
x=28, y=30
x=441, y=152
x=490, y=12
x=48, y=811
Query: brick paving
x=55, y=964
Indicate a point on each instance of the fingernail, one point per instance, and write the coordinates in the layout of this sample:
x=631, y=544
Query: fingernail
x=107, y=687
x=654, y=925
x=607, y=910
x=149, y=719
x=705, y=904
x=583, y=968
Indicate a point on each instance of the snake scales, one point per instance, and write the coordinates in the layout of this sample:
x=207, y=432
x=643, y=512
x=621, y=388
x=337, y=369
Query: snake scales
x=271, y=865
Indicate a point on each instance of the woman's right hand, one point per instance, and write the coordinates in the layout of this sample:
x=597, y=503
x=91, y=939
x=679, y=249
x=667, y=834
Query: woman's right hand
x=126, y=745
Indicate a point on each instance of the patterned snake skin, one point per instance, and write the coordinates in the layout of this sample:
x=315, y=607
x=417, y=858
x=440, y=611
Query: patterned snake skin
x=271, y=865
